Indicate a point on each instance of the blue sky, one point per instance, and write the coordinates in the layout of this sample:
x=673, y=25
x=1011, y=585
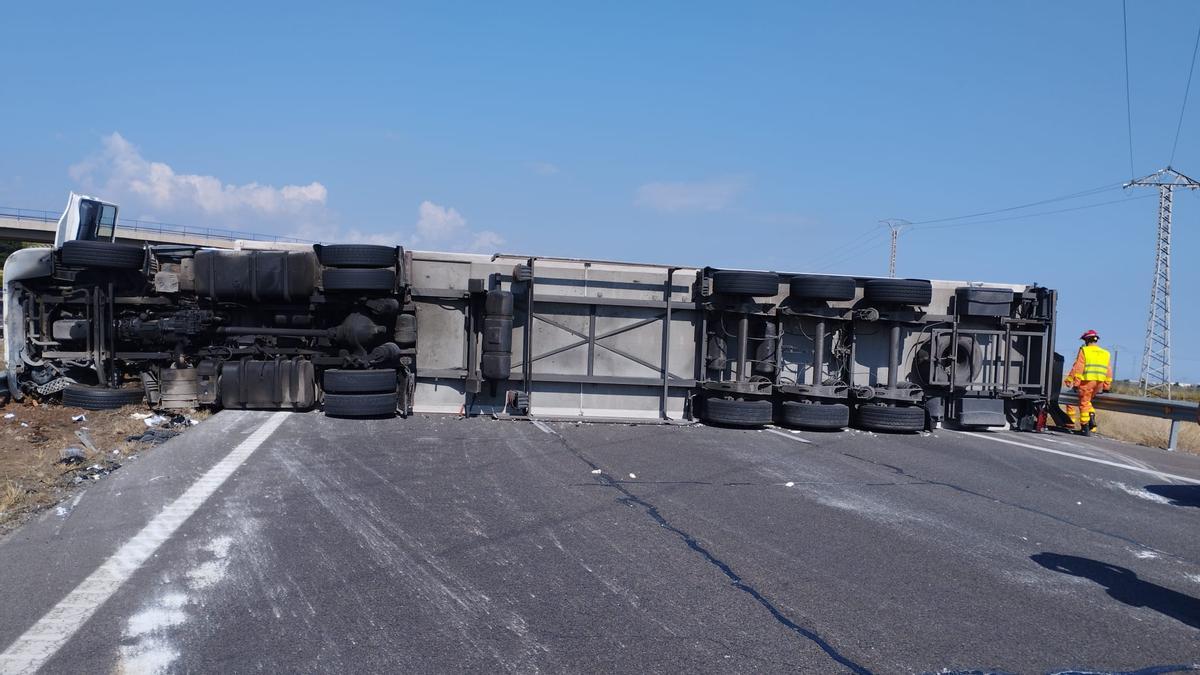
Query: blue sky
x=761, y=135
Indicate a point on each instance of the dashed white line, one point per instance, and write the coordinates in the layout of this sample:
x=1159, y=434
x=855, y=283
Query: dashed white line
x=789, y=435
x=37, y=645
x=1085, y=458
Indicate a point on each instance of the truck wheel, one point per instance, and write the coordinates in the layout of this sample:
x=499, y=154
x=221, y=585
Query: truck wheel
x=737, y=413
x=359, y=381
x=816, y=287
x=891, y=418
x=101, y=398
x=356, y=255
x=898, y=291
x=361, y=405
x=830, y=416
x=105, y=254
x=358, y=280
x=745, y=283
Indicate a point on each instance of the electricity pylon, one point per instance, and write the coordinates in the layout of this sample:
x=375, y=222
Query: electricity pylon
x=896, y=225
x=1156, y=356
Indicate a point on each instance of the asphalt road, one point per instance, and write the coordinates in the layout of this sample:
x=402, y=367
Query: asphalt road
x=436, y=544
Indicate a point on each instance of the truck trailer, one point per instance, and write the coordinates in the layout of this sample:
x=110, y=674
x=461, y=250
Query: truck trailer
x=362, y=330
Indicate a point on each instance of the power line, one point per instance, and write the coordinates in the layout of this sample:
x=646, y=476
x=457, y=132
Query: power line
x=1128, y=105
x=860, y=246
x=1034, y=215
x=1073, y=195
x=1187, y=88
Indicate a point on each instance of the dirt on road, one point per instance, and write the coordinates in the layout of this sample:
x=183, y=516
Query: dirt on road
x=43, y=456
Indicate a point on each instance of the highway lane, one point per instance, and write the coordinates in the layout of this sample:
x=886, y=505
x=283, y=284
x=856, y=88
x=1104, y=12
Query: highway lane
x=442, y=544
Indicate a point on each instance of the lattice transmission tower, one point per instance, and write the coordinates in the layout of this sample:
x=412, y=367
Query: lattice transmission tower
x=896, y=225
x=1155, y=378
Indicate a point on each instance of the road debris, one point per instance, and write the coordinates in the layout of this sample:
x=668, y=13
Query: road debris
x=73, y=456
x=79, y=418
x=597, y=471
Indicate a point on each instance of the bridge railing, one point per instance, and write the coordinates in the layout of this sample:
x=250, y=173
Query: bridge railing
x=149, y=226
x=1161, y=408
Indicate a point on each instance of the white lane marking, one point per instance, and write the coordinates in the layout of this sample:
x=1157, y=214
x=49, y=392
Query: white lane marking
x=789, y=435
x=542, y=425
x=30, y=652
x=1094, y=460
x=1062, y=442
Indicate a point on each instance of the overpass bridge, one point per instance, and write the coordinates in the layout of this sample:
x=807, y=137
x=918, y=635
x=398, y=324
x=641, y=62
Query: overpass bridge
x=39, y=226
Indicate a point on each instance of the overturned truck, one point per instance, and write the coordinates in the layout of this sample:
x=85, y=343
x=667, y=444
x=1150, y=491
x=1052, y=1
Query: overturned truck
x=365, y=331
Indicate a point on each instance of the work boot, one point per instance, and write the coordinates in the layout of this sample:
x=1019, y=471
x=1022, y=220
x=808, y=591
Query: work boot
x=1085, y=428
x=1092, y=422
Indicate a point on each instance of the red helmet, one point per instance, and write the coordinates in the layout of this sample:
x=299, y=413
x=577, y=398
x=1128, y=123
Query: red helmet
x=1090, y=334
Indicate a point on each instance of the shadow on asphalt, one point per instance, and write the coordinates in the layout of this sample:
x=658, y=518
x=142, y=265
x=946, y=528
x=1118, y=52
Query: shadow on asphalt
x=1123, y=584
x=1180, y=495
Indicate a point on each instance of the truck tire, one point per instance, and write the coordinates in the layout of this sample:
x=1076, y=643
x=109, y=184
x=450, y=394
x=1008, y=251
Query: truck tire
x=734, y=413
x=891, y=418
x=103, y=254
x=816, y=287
x=101, y=398
x=898, y=291
x=825, y=416
x=361, y=405
x=745, y=283
x=358, y=280
x=359, y=381
x=356, y=255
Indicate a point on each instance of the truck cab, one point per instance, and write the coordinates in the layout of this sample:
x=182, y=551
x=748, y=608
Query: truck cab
x=86, y=218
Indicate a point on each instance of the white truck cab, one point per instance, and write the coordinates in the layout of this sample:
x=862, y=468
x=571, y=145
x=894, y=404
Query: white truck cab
x=86, y=218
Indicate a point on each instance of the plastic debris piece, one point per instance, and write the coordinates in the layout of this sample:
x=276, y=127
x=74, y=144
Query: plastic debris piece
x=73, y=456
x=153, y=436
x=597, y=471
x=86, y=439
x=79, y=418
x=154, y=420
x=789, y=484
x=633, y=475
x=139, y=416
x=9, y=416
x=24, y=424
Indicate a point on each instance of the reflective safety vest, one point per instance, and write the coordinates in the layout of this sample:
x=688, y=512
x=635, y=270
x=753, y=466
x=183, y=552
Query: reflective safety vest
x=1095, y=364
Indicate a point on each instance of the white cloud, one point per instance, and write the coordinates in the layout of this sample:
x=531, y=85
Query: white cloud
x=544, y=168
x=438, y=227
x=438, y=223
x=120, y=170
x=676, y=196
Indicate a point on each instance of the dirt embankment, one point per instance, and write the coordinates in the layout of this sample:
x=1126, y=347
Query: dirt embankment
x=45, y=452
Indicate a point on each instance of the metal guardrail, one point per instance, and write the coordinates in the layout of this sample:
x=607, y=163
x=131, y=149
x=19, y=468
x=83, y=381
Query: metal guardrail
x=135, y=225
x=1164, y=409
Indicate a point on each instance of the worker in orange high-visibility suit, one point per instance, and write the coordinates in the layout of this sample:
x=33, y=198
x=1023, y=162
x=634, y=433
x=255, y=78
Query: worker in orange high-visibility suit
x=1090, y=375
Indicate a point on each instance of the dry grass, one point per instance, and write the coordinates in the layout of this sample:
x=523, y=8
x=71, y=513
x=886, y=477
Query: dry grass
x=1149, y=431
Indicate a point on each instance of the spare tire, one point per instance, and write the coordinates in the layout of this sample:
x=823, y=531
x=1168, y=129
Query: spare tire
x=891, y=418
x=358, y=280
x=103, y=254
x=745, y=283
x=361, y=405
x=737, y=413
x=359, y=381
x=898, y=291
x=967, y=357
x=818, y=287
x=356, y=255
x=101, y=398
x=809, y=415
